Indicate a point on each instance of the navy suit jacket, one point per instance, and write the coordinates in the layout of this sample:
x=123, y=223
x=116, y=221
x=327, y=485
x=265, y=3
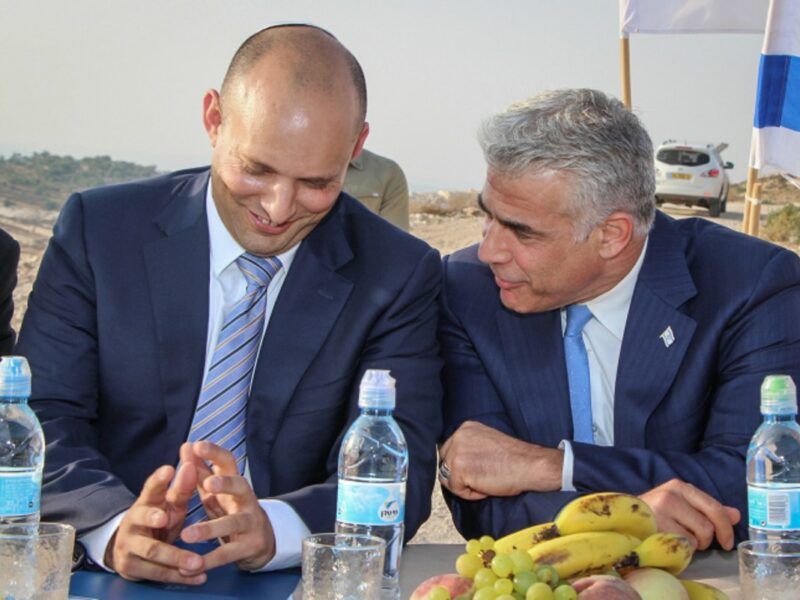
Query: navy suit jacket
x=686, y=410
x=116, y=327
x=9, y=258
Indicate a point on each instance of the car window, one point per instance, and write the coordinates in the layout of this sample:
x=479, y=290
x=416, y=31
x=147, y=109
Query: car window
x=687, y=158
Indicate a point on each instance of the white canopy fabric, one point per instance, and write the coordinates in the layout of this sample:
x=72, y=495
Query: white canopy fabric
x=692, y=16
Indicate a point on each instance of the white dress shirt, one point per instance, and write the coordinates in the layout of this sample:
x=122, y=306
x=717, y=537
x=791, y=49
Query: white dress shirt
x=602, y=336
x=227, y=285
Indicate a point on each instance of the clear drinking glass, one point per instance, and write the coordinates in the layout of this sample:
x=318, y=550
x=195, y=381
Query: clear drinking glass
x=36, y=560
x=342, y=566
x=769, y=570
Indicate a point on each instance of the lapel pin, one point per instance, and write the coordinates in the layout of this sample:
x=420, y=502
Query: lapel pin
x=667, y=337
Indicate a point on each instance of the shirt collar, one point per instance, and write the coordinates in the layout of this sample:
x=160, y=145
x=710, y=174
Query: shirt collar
x=223, y=248
x=358, y=161
x=611, y=307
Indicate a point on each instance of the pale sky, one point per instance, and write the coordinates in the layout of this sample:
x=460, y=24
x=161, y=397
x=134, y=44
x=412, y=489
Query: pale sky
x=126, y=77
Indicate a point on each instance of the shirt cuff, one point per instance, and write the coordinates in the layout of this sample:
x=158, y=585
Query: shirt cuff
x=289, y=530
x=566, y=469
x=96, y=541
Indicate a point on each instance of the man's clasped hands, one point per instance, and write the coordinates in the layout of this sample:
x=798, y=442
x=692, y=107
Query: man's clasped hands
x=143, y=546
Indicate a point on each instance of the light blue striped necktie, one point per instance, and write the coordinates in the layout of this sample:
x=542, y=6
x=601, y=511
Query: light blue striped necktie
x=220, y=413
x=580, y=393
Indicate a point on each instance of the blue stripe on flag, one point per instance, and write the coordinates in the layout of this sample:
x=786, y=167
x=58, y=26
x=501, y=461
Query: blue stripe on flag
x=778, y=95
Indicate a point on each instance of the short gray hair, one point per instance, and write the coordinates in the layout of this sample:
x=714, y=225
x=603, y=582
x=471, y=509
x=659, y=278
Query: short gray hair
x=602, y=146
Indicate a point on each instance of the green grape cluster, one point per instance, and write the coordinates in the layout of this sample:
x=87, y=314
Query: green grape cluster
x=512, y=576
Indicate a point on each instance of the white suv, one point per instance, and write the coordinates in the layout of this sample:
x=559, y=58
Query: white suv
x=692, y=174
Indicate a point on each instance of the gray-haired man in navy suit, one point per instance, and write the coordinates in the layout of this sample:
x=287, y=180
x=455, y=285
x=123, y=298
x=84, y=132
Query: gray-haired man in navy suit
x=592, y=343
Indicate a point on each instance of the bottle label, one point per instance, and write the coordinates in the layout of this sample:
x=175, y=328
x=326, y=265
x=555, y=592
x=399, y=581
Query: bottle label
x=774, y=508
x=362, y=503
x=19, y=494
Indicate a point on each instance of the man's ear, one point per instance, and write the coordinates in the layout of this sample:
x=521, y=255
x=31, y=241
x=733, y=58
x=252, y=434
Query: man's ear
x=616, y=233
x=362, y=137
x=212, y=115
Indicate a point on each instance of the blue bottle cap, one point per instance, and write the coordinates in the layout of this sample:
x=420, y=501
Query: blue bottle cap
x=15, y=377
x=778, y=395
x=377, y=390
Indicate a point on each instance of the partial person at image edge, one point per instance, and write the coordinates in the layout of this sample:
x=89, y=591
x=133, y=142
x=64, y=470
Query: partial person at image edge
x=380, y=185
x=9, y=260
x=141, y=280
x=685, y=319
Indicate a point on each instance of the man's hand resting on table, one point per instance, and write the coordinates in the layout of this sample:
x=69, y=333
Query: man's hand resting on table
x=483, y=461
x=681, y=508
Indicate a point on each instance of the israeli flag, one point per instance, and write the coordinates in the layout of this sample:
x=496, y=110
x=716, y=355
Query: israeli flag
x=776, y=133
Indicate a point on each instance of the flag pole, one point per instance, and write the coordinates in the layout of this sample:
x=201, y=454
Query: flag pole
x=625, y=62
x=755, y=210
x=748, y=224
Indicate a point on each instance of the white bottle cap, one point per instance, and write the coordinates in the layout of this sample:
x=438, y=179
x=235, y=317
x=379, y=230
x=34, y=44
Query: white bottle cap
x=15, y=377
x=377, y=390
x=778, y=395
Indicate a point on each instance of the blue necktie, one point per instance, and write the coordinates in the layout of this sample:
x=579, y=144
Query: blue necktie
x=580, y=393
x=220, y=413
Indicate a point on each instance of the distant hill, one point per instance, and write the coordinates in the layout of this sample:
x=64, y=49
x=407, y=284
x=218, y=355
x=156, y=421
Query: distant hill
x=46, y=180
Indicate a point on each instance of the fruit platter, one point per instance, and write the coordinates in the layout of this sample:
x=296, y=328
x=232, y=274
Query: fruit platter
x=601, y=546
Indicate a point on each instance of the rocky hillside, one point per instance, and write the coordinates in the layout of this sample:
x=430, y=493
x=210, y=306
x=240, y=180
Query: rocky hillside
x=442, y=203
x=775, y=189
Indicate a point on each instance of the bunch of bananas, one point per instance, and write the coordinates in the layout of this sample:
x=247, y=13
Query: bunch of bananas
x=606, y=532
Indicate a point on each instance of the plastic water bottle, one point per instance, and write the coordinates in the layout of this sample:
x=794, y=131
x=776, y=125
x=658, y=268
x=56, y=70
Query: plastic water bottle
x=373, y=469
x=773, y=464
x=21, y=445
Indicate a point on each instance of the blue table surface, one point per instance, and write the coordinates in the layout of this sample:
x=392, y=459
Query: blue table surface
x=225, y=583
x=419, y=561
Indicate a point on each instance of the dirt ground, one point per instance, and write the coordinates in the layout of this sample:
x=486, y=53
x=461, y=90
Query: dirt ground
x=32, y=228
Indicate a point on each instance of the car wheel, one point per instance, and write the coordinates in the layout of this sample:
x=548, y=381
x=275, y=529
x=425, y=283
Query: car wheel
x=714, y=207
x=724, y=202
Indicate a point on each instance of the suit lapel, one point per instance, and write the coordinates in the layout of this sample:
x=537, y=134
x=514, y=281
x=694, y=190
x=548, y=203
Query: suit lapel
x=310, y=301
x=534, y=359
x=178, y=270
x=657, y=334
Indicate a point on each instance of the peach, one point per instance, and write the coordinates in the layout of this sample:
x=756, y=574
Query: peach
x=604, y=587
x=455, y=584
x=655, y=584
